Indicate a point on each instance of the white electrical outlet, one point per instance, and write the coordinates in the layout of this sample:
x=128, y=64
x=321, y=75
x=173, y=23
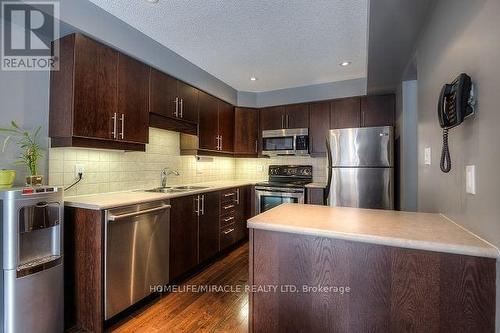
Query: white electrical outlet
x=427, y=156
x=79, y=168
x=470, y=179
x=259, y=168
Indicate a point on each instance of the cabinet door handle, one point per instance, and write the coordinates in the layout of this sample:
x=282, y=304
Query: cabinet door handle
x=181, y=108
x=256, y=143
x=229, y=219
x=228, y=207
x=202, y=204
x=221, y=142
x=197, y=205
x=228, y=231
x=217, y=140
x=237, y=196
x=282, y=121
x=229, y=194
x=287, y=121
x=176, y=102
x=114, y=133
x=122, y=119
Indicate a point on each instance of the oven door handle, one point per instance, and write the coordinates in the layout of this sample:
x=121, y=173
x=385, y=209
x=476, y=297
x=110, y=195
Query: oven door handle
x=282, y=194
x=274, y=190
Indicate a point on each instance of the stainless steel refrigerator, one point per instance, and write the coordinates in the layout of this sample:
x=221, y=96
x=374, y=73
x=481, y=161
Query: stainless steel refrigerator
x=361, y=167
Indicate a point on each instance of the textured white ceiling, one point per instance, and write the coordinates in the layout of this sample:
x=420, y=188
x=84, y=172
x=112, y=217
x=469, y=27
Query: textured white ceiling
x=284, y=43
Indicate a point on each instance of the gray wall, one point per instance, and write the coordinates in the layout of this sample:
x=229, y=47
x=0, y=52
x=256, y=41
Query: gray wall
x=462, y=36
x=318, y=92
x=406, y=131
x=24, y=98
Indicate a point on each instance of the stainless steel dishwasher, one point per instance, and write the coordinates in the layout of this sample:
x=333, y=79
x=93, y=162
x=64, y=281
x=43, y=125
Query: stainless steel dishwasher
x=136, y=253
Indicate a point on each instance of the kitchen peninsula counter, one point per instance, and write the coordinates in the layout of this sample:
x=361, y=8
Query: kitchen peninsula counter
x=360, y=270
x=422, y=231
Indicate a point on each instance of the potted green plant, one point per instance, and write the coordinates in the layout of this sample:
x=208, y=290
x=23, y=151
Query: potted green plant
x=30, y=150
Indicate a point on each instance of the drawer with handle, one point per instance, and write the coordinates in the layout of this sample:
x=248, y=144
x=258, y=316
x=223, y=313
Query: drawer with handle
x=228, y=219
x=228, y=195
x=228, y=208
x=231, y=234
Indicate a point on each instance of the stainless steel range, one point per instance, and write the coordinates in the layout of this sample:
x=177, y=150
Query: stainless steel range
x=286, y=185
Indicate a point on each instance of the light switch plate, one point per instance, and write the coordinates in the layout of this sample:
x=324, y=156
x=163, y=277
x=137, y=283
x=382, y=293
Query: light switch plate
x=470, y=179
x=427, y=156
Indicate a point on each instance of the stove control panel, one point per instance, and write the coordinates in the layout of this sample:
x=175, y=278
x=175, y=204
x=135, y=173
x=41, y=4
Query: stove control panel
x=299, y=171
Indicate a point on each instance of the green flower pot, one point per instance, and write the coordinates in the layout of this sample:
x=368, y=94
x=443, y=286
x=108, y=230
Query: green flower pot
x=7, y=178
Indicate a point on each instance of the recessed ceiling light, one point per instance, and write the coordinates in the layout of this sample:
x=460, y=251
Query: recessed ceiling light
x=253, y=78
x=345, y=63
x=151, y=1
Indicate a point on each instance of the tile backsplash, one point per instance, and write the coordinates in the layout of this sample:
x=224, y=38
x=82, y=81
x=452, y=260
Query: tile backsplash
x=110, y=171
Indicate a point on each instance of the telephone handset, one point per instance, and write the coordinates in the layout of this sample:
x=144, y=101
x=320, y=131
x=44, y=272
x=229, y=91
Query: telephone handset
x=456, y=102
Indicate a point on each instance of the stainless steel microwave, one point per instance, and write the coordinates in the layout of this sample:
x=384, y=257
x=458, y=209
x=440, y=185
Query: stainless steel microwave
x=282, y=142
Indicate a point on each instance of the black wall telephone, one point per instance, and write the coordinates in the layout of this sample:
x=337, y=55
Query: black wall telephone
x=456, y=102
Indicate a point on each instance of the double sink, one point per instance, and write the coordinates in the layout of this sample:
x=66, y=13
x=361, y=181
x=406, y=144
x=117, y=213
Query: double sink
x=176, y=189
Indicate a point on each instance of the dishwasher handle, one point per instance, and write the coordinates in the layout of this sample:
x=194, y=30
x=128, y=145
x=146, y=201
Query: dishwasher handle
x=117, y=217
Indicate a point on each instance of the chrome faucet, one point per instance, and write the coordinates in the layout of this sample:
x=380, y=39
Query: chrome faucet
x=164, y=173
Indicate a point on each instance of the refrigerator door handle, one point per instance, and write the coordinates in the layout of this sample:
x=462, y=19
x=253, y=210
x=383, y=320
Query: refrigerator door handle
x=326, y=193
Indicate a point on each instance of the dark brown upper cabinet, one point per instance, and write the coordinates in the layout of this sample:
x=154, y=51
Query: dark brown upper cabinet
x=173, y=103
x=95, y=102
x=378, y=110
x=319, y=125
x=345, y=113
x=188, y=102
x=133, y=100
x=208, y=133
x=288, y=116
x=173, y=98
x=163, y=94
x=297, y=116
x=216, y=128
x=226, y=127
x=272, y=118
x=246, y=131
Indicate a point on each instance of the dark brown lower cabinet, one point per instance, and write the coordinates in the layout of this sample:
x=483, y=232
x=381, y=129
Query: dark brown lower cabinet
x=209, y=225
x=194, y=238
x=84, y=269
x=232, y=234
x=183, y=235
x=233, y=211
x=391, y=289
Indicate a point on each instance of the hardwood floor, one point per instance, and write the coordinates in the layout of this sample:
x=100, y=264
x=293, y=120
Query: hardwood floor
x=199, y=312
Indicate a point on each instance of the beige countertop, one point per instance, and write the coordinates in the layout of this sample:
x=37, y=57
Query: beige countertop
x=125, y=198
x=423, y=231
